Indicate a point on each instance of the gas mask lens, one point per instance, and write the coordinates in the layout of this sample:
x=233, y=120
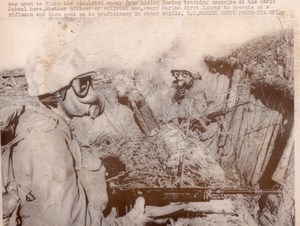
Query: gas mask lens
x=176, y=74
x=82, y=85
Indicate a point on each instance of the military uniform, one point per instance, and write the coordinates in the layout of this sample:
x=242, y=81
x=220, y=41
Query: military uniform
x=59, y=184
x=197, y=100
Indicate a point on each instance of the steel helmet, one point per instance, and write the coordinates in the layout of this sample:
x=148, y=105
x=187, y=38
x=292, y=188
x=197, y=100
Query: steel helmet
x=184, y=65
x=53, y=67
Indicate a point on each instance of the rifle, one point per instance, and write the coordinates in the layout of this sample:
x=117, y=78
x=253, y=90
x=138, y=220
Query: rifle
x=213, y=114
x=124, y=199
x=210, y=116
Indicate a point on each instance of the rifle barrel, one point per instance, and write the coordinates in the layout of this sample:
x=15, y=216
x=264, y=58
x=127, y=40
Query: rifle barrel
x=253, y=192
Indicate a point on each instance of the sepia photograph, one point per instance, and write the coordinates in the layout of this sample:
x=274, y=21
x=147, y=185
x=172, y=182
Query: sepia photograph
x=148, y=121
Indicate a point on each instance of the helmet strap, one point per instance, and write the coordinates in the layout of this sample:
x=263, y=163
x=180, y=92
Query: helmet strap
x=56, y=100
x=48, y=98
x=53, y=97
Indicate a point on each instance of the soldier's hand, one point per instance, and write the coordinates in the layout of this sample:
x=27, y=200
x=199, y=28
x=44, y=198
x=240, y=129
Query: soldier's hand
x=136, y=216
x=179, y=94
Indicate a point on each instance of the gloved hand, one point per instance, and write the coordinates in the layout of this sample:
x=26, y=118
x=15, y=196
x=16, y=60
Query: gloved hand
x=141, y=216
x=136, y=217
x=179, y=94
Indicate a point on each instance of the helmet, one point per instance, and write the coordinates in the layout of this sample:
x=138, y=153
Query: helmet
x=182, y=71
x=51, y=68
x=185, y=66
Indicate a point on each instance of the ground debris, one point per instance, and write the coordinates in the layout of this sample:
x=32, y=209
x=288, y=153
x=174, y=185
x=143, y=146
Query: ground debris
x=153, y=161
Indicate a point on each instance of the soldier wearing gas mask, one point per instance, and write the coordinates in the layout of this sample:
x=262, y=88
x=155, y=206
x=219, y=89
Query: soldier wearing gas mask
x=55, y=181
x=193, y=97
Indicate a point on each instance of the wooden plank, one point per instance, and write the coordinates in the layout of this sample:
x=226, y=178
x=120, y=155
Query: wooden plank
x=259, y=131
x=235, y=120
x=253, y=142
x=243, y=146
x=224, y=83
x=232, y=99
x=243, y=149
x=269, y=118
x=272, y=142
x=242, y=98
x=257, y=171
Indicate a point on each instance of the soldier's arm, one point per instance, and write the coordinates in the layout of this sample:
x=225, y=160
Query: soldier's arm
x=44, y=164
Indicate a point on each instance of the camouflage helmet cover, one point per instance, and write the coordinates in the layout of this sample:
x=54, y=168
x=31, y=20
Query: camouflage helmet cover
x=51, y=68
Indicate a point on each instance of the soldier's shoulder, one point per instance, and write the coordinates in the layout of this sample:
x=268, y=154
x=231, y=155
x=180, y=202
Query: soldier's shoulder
x=197, y=88
x=37, y=120
x=199, y=83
